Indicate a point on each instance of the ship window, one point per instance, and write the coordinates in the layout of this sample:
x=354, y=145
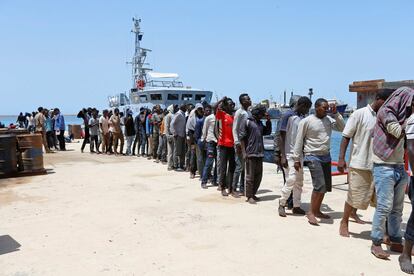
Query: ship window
x=187, y=97
x=143, y=98
x=156, y=97
x=173, y=97
x=200, y=97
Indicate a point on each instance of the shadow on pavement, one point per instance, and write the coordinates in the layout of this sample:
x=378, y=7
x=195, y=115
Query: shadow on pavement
x=8, y=244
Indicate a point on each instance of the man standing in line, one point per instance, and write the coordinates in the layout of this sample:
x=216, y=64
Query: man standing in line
x=200, y=151
x=137, y=139
x=390, y=177
x=177, y=128
x=294, y=179
x=148, y=131
x=156, y=122
x=251, y=138
x=405, y=258
x=226, y=165
x=143, y=132
x=94, y=131
x=198, y=114
x=117, y=132
x=276, y=143
x=40, y=127
x=359, y=128
x=209, y=140
x=104, y=130
x=129, y=132
x=170, y=137
x=60, y=129
x=241, y=115
x=313, y=142
x=190, y=128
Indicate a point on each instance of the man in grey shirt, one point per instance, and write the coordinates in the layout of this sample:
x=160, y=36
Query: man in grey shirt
x=241, y=115
x=313, y=143
x=177, y=128
x=170, y=137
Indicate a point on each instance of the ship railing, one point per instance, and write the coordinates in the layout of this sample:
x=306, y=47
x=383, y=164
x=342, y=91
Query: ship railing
x=154, y=83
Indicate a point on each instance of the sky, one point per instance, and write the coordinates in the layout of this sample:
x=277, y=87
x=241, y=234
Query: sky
x=73, y=54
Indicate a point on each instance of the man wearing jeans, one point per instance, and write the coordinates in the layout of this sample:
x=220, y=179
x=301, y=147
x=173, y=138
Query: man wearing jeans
x=209, y=139
x=390, y=178
x=241, y=115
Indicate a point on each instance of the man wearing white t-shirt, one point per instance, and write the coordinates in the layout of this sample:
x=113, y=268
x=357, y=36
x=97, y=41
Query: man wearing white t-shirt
x=359, y=128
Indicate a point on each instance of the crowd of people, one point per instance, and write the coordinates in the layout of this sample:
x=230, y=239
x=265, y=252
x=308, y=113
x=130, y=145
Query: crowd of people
x=224, y=147
x=48, y=123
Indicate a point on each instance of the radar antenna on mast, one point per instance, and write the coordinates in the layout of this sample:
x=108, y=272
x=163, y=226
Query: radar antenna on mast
x=139, y=72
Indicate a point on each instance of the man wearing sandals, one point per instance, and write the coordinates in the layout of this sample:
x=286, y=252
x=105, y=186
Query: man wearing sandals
x=313, y=143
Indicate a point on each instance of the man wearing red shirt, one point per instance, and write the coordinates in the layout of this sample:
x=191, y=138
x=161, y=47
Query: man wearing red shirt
x=225, y=142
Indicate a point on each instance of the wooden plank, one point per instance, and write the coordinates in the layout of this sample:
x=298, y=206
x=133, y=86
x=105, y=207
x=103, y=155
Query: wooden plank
x=368, y=82
x=363, y=89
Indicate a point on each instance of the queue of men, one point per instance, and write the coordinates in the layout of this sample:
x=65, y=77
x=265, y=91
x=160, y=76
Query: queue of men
x=225, y=148
x=50, y=124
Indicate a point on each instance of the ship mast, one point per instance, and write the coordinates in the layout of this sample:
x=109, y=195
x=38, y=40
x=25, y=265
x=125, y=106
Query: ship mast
x=139, y=76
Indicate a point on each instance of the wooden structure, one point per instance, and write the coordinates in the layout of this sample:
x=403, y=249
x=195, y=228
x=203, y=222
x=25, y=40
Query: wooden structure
x=366, y=90
x=21, y=154
x=76, y=130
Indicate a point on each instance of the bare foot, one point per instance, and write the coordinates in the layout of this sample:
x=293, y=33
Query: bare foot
x=322, y=215
x=312, y=219
x=357, y=219
x=405, y=264
x=343, y=229
x=377, y=251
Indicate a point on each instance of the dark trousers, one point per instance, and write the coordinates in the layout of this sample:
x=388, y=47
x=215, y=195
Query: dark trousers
x=94, y=140
x=86, y=138
x=179, y=151
x=193, y=158
x=142, y=142
x=155, y=142
x=61, y=138
x=211, y=154
x=254, y=173
x=50, y=139
x=409, y=231
x=137, y=141
x=227, y=166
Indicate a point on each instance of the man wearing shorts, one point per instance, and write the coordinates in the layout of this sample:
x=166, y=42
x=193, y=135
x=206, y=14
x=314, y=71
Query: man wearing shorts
x=359, y=128
x=313, y=142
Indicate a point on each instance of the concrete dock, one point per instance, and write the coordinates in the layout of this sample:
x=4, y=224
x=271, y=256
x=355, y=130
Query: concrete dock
x=118, y=215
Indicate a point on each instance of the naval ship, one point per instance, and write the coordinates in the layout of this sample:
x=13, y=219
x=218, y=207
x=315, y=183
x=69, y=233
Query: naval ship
x=150, y=88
